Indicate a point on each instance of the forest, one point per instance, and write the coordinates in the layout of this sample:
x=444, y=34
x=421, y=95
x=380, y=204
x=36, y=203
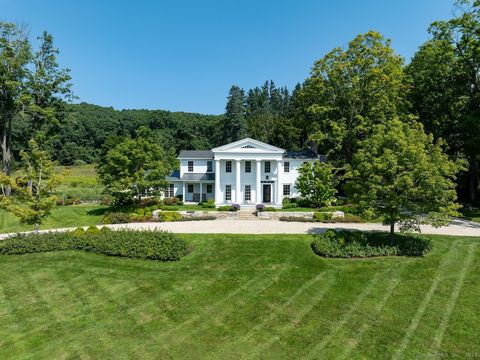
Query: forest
x=348, y=92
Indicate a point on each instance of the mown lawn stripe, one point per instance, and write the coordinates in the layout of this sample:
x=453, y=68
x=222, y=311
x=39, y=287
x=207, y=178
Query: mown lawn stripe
x=304, y=311
x=346, y=317
x=438, y=338
x=424, y=304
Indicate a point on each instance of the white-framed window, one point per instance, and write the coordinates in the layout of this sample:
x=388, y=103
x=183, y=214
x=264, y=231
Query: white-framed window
x=248, y=193
x=248, y=166
x=228, y=166
x=266, y=166
x=190, y=188
x=169, y=191
x=209, y=166
x=209, y=188
x=228, y=192
x=286, y=189
x=190, y=166
x=286, y=166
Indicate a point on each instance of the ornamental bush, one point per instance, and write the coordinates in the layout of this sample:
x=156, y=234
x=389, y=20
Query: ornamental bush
x=154, y=245
x=116, y=218
x=209, y=204
x=356, y=244
x=169, y=216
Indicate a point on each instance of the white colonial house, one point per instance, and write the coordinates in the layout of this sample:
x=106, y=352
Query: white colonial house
x=245, y=172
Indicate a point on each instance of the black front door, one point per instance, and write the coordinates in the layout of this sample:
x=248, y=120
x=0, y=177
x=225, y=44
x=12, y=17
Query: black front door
x=267, y=193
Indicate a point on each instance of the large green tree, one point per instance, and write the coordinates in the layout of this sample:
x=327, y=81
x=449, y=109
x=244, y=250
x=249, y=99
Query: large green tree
x=446, y=86
x=400, y=174
x=135, y=167
x=15, y=55
x=349, y=91
x=317, y=183
x=234, y=123
x=33, y=187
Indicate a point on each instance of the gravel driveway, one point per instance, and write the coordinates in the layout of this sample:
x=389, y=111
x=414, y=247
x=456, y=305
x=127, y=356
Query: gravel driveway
x=457, y=227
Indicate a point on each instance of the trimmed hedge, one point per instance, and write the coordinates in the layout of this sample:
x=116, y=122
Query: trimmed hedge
x=356, y=244
x=153, y=245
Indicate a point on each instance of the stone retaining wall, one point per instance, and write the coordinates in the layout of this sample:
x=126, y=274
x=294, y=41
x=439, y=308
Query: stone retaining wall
x=275, y=215
x=216, y=214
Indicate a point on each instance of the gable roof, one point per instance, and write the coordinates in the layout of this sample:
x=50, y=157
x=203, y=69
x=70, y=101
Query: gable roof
x=303, y=154
x=195, y=154
x=248, y=143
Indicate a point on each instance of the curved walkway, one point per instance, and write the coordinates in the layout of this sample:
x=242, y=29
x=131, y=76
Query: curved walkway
x=456, y=228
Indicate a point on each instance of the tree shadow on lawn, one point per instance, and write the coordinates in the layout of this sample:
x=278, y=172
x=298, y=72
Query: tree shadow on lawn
x=98, y=212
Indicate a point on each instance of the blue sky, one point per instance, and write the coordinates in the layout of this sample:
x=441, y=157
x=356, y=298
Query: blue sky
x=185, y=55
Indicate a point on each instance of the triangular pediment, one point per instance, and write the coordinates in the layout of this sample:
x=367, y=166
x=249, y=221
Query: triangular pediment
x=249, y=145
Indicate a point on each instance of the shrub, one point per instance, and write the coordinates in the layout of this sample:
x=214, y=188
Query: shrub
x=288, y=203
x=170, y=201
x=226, y=208
x=180, y=198
x=116, y=218
x=235, y=207
x=322, y=216
x=169, y=207
x=155, y=245
x=149, y=201
x=166, y=216
x=199, y=218
x=209, y=204
x=260, y=207
x=349, y=244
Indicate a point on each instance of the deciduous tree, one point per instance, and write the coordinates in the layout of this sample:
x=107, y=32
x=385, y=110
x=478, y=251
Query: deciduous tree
x=33, y=188
x=317, y=183
x=400, y=174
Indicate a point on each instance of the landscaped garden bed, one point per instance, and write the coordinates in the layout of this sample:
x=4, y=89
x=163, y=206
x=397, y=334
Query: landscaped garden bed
x=153, y=245
x=356, y=244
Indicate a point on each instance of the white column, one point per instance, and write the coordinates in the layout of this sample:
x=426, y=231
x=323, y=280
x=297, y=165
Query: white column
x=183, y=192
x=258, y=192
x=237, y=182
x=201, y=198
x=279, y=183
x=218, y=198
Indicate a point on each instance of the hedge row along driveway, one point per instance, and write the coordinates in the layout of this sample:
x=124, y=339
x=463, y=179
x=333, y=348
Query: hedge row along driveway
x=242, y=296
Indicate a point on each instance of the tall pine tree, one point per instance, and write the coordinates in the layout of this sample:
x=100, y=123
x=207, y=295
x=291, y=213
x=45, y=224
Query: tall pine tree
x=235, y=125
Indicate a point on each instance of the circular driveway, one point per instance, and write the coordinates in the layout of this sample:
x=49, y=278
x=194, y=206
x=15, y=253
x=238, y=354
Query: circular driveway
x=456, y=228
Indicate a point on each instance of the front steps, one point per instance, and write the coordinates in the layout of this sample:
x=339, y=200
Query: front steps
x=247, y=214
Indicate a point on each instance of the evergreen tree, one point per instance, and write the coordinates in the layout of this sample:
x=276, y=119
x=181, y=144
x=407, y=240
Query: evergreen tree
x=235, y=125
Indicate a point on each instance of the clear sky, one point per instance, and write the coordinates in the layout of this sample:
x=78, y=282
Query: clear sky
x=185, y=55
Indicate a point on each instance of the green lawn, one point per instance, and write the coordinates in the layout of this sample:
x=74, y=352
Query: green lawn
x=242, y=296
x=61, y=216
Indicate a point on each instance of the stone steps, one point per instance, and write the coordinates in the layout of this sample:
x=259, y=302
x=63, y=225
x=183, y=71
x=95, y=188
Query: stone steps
x=247, y=215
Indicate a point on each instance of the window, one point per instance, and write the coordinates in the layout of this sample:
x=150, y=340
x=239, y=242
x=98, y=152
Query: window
x=190, y=166
x=286, y=189
x=228, y=166
x=209, y=188
x=190, y=188
x=248, y=166
x=286, y=166
x=169, y=191
x=209, y=166
x=228, y=192
x=248, y=193
x=267, y=166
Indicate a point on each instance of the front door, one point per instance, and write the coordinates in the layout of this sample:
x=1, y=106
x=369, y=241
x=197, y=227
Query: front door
x=267, y=193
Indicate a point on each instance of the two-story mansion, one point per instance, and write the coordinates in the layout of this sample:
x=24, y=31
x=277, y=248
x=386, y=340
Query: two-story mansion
x=246, y=172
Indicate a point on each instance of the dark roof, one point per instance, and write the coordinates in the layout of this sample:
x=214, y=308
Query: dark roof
x=196, y=154
x=175, y=175
x=303, y=154
x=198, y=177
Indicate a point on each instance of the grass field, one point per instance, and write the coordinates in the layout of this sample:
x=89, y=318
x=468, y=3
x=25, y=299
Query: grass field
x=79, y=182
x=243, y=296
x=61, y=216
